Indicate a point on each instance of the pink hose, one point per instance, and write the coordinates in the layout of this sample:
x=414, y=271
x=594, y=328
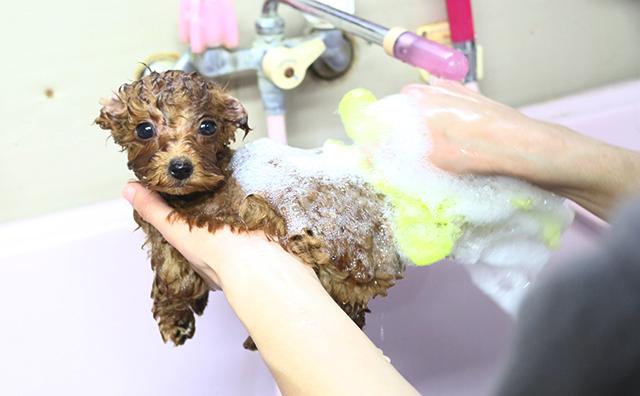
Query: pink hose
x=460, y=20
x=276, y=128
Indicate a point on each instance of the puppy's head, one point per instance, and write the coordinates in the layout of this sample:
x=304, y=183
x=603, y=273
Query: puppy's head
x=176, y=128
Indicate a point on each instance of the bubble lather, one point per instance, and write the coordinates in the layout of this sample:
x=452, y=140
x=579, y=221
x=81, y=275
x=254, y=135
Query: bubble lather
x=495, y=226
x=499, y=228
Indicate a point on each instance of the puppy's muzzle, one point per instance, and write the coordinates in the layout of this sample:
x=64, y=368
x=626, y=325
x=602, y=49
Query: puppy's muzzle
x=180, y=168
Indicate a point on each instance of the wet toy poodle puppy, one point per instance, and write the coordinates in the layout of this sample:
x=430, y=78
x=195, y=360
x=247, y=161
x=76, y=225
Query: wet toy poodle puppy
x=176, y=128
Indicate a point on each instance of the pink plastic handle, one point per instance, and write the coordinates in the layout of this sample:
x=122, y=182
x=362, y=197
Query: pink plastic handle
x=208, y=24
x=438, y=59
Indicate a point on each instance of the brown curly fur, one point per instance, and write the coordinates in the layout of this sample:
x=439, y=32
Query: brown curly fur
x=354, y=265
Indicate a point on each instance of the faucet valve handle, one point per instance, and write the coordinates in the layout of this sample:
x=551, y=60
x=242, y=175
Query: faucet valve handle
x=286, y=67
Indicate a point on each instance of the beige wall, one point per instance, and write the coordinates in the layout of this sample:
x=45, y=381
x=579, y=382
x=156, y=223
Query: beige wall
x=52, y=158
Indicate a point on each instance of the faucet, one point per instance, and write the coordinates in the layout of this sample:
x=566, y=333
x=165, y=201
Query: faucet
x=406, y=46
x=281, y=63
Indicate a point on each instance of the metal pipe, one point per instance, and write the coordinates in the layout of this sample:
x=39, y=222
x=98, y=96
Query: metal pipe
x=364, y=29
x=437, y=59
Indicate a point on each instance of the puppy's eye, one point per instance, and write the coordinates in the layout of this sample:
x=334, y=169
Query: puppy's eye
x=208, y=128
x=145, y=131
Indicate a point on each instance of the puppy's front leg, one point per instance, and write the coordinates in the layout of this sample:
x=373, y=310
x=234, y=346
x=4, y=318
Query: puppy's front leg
x=177, y=292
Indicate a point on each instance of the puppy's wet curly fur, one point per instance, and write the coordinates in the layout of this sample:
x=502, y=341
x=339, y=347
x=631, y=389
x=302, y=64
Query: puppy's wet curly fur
x=176, y=128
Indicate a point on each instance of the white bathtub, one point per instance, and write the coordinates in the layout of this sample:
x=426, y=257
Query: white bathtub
x=75, y=316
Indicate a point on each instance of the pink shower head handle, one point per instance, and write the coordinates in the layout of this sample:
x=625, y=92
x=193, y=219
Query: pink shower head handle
x=221, y=26
x=185, y=16
x=208, y=24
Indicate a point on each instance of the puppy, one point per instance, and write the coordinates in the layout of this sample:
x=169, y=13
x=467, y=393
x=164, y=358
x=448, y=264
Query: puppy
x=176, y=128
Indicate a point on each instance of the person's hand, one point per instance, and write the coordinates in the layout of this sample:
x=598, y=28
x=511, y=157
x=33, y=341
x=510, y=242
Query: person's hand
x=303, y=336
x=474, y=134
x=209, y=253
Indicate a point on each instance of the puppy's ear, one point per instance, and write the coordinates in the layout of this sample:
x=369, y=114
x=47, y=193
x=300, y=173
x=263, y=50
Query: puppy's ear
x=112, y=114
x=237, y=114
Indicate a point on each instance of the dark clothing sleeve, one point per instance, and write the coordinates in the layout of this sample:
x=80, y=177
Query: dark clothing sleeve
x=578, y=330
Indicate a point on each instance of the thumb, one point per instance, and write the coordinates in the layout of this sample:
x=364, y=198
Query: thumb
x=148, y=204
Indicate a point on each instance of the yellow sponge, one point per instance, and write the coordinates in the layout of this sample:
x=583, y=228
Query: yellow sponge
x=433, y=208
x=425, y=237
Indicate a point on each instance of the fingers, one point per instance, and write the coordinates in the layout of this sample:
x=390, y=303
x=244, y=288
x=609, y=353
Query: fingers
x=440, y=90
x=155, y=210
x=192, y=245
x=417, y=91
x=148, y=204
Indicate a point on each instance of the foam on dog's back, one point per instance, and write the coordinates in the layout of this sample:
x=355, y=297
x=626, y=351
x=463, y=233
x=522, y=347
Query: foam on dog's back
x=317, y=196
x=281, y=173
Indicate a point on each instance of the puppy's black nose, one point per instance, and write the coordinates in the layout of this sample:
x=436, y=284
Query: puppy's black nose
x=180, y=168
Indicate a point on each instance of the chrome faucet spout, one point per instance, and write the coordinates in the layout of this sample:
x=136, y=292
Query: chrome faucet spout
x=362, y=28
x=418, y=51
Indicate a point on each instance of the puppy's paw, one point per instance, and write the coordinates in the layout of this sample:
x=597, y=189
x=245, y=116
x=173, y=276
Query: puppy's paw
x=308, y=248
x=249, y=344
x=178, y=327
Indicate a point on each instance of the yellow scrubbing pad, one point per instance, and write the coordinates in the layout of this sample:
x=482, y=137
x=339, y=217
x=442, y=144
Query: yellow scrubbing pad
x=352, y=110
x=424, y=238
x=434, y=209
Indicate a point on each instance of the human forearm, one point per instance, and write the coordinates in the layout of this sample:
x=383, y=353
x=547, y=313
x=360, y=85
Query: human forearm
x=309, y=344
x=618, y=178
x=593, y=174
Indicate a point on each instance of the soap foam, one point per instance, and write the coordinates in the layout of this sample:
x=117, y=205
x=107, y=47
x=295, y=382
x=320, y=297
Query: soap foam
x=501, y=227
x=280, y=173
x=316, y=195
x=403, y=158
